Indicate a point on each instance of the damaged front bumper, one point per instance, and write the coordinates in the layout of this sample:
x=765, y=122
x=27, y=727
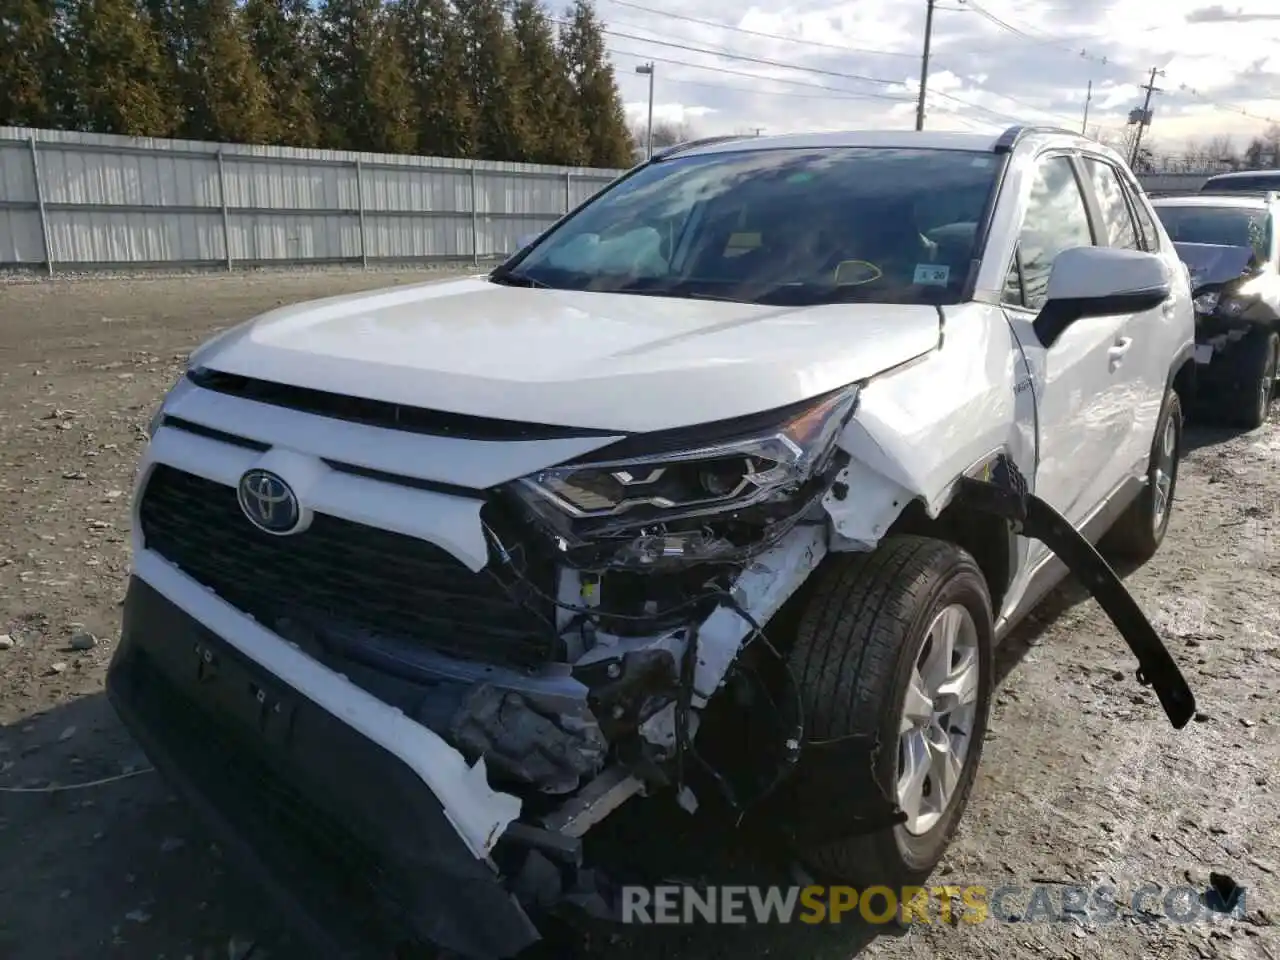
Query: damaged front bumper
x=358, y=852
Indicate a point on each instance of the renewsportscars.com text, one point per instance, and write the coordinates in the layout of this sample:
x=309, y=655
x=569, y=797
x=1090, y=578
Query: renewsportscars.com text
x=1008, y=903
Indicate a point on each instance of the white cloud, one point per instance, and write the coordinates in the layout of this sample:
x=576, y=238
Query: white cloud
x=861, y=61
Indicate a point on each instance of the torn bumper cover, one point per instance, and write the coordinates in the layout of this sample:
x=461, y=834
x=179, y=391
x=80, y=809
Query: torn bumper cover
x=1005, y=495
x=356, y=850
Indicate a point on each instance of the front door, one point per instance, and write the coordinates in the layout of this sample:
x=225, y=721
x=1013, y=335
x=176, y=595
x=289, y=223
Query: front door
x=1080, y=380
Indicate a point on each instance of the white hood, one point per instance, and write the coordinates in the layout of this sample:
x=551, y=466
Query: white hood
x=610, y=361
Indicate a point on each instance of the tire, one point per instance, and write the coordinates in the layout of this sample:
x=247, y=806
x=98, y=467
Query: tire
x=1138, y=532
x=858, y=638
x=1258, y=374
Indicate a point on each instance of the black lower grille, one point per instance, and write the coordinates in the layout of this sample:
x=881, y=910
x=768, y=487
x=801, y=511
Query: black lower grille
x=337, y=571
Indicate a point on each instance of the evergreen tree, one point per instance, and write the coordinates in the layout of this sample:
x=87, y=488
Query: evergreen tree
x=281, y=36
x=555, y=131
x=365, y=92
x=436, y=57
x=494, y=82
x=118, y=73
x=599, y=105
x=224, y=94
x=32, y=65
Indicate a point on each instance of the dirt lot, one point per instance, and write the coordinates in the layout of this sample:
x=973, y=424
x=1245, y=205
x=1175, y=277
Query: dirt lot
x=1083, y=780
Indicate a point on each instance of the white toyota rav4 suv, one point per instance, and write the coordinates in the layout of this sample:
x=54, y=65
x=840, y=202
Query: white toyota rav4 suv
x=716, y=496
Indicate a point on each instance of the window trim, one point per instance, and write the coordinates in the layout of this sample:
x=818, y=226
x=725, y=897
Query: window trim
x=1141, y=201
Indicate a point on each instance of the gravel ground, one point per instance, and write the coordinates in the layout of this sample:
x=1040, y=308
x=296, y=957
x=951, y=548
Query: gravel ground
x=1083, y=780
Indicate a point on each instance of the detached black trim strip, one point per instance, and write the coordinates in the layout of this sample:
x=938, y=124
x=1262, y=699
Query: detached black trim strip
x=381, y=413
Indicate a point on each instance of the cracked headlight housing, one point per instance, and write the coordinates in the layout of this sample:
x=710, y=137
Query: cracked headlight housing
x=708, y=498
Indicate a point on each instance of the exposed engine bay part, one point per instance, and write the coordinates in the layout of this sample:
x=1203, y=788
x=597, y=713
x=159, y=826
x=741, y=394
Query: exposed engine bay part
x=596, y=801
x=552, y=749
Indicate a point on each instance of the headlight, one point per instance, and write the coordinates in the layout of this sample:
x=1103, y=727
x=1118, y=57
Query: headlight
x=660, y=506
x=1206, y=302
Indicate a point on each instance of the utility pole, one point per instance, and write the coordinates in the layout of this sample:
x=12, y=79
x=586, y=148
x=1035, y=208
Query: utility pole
x=1143, y=116
x=647, y=70
x=924, y=63
x=1088, y=97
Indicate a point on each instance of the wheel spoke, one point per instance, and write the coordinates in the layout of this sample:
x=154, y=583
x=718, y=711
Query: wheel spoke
x=916, y=763
x=961, y=685
x=917, y=708
x=945, y=768
x=941, y=648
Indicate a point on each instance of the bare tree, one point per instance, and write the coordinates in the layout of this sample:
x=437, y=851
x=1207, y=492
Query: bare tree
x=665, y=134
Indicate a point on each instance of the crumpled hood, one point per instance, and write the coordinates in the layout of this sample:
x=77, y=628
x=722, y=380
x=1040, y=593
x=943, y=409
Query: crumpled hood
x=1213, y=263
x=570, y=358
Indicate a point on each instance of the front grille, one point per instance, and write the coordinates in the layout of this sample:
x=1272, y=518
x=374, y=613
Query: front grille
x=339, y=572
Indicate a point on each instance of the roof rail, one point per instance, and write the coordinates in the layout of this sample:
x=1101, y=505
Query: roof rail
x=1009, y=139
x=700, y=142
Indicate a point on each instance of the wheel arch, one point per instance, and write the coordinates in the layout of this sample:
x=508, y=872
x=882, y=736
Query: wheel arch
x=985, y=537
x=1182, y=376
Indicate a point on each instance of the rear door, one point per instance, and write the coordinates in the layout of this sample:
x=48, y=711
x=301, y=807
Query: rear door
x=1078, y=380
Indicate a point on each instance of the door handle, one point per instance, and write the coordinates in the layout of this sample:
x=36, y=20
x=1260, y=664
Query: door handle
x=1116, y=352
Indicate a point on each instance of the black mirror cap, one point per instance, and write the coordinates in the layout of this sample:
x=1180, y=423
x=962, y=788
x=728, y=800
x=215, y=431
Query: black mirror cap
x=1056, y=315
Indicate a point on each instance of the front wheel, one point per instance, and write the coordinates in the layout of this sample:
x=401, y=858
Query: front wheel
x=894, y=648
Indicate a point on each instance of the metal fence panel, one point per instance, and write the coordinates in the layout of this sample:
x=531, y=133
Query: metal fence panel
x=71, y=199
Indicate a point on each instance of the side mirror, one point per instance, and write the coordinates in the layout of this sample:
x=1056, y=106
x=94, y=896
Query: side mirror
x=1098, y=282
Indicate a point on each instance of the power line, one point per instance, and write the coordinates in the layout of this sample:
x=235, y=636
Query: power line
x=1108, y=61
x=859, y=78
x=756, y=33
x=843, y=49
x=762, y=61
x=833, y=93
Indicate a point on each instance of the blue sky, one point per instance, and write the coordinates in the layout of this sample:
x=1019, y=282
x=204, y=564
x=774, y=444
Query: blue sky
x=994, y=62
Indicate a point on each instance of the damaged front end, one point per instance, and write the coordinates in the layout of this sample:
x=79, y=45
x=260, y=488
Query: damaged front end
x=612, y=646
x=624, y=589
x=649, y=568
x=1227, y=292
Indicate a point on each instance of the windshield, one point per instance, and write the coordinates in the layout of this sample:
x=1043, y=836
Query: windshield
x=783, y=226
x=1222, y=226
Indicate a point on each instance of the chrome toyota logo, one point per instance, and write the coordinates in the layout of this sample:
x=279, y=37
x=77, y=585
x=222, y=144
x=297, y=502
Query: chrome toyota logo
x=269, y=502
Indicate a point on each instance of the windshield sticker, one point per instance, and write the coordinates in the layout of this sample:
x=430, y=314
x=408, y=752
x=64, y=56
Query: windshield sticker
x=932, y=274
x=802, y=177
